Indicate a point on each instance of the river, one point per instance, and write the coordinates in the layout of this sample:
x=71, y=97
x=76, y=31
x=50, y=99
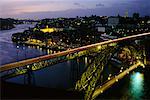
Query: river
x=11, y=52
x=63, y=75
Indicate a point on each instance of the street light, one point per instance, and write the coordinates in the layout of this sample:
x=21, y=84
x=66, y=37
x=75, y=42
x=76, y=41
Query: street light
x=99, y=47
x=17, y=51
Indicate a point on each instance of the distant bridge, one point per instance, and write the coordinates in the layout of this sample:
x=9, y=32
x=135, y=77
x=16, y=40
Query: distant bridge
x=90, y=78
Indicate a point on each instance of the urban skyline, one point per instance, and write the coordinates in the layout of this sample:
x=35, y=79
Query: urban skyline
x=71, y=8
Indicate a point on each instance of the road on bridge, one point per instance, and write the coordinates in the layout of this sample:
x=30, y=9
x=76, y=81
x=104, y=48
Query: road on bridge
x=46, y=57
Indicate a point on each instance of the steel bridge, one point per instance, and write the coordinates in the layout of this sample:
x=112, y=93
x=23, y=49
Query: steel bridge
x=90, y=81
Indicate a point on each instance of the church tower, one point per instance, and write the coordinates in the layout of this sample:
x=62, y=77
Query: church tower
x=126, y=13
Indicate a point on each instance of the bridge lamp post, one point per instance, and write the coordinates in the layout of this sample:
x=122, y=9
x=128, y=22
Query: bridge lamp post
x=116, y=80
x=17, y=51
x=25, y=51
x=142, y=65
x=110, y=75
x=121, y=70
x=99, y=47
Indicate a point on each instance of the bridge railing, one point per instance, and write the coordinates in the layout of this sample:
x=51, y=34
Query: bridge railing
x=26, y=63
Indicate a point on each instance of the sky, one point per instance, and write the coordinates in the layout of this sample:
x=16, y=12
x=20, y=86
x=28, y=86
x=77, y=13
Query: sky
x=71, y=8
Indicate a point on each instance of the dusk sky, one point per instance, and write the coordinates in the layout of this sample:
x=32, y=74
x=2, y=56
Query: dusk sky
x=71, y=8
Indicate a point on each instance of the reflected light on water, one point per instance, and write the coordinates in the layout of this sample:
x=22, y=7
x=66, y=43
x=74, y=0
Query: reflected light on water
x=137, y=85
x=48, y=51
x=86, y=60
x=68, y=63
x=29, y=47
x=40, y=49
x=51, y=51
x=33, y=47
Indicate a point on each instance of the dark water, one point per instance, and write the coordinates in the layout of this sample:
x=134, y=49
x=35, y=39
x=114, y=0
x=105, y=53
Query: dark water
x=135, y=86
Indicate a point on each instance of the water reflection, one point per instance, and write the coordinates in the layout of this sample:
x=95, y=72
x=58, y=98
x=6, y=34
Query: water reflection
x=68, y=62
x=48, y=51
x=137, y=85
x=86, y=60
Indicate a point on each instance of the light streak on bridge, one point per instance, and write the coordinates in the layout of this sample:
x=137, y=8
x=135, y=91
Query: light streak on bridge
x=101, y=89
x=46, y=57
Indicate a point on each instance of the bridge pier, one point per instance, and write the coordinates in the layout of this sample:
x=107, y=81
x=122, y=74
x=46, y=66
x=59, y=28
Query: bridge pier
x=29, y=76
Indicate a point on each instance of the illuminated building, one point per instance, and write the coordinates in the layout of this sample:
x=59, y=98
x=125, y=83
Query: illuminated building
x=113, y=21
x=126, y=14
x=49, y=30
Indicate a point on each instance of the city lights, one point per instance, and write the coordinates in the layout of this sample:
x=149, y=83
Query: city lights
x=99, y=47
x=74, y=49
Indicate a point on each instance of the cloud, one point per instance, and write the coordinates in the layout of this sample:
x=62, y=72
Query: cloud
x=99, y=5
x=79, y=5
x=69, y=8
x=76, y=4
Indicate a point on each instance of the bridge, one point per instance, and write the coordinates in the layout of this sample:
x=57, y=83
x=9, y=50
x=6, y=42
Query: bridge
x=102, y=53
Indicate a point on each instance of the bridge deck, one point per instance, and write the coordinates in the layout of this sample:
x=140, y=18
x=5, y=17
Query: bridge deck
x=46, y=57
